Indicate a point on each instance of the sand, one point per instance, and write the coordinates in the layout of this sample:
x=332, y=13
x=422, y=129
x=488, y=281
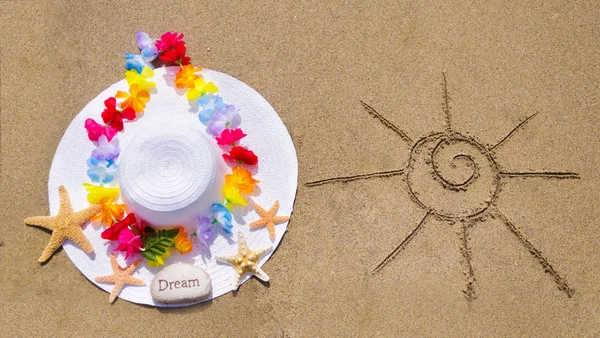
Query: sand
x=315, y=62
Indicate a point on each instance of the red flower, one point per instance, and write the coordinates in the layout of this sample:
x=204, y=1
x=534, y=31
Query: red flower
x=241, y=155
x=139, y=227
x=175, y=54
x=172, y=48
x=112, y=233
x=114, y=117
x=230, y=136
x=168, y=40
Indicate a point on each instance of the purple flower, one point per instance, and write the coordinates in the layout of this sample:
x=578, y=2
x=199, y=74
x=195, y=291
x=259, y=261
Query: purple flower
x=144, y=42
x=204, y=231
x=226, y=118
x=106, y=150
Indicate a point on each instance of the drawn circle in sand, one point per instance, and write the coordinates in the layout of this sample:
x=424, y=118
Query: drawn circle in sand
x=452, y=175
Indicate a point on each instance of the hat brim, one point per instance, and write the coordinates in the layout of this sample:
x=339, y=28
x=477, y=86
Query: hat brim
x=267, y=137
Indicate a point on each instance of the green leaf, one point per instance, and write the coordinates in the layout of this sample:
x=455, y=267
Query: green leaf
x=158, y=250
x=172, y=232
x=149, y=256
x=156, y=243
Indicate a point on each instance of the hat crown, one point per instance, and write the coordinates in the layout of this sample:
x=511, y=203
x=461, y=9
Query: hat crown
x=170, y=173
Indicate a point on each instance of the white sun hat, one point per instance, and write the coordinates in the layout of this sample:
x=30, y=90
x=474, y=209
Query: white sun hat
x=171, y=170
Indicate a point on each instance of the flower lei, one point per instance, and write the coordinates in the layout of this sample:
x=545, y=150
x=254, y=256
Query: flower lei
x=134, y=235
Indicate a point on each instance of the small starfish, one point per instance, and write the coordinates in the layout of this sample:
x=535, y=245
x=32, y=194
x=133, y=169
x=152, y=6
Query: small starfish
x=246, y=261
x=65, y=225
x=268, y=219
x=120, y=277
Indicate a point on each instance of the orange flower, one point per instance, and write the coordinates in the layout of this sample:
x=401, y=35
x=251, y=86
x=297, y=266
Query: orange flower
x=110, y=212
x=181, y=241
x=242, y=179
x=136, y=98
x=186, y=76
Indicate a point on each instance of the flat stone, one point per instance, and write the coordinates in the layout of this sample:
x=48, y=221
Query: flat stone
x=180, y=283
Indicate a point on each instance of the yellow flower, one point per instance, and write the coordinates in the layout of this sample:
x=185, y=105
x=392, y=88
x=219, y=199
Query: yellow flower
x=242, y=179
x=136, y=98
x=110, y=213
x=133, y=77
x=159, y=260
x=200, y=88
x=97, y=193
x=233, y=196
x=182, y=243
x=186, y=76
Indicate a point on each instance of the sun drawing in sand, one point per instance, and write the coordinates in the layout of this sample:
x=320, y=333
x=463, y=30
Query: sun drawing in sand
x=455, y=178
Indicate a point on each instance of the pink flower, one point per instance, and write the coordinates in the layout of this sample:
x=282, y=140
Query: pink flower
x=230, y=137
x=95, y=130
x=129, y=242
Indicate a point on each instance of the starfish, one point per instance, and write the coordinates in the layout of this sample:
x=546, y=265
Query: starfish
x=246, y=261
x=268, y=219
x=120, y=277
x=65, y=225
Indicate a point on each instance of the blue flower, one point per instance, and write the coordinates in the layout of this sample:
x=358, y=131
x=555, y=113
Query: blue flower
x=102, y=172
x=138, y=62
x=222, y=216
x=208, y=103
x=149, y=54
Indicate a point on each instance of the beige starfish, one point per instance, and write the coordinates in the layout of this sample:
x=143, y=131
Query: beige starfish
x=65, y=225
x=120, y=277
x=246, y=261
x=268, y=219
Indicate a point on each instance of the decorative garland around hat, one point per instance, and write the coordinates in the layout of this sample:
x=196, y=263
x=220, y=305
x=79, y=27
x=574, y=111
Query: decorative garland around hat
x=223, y=120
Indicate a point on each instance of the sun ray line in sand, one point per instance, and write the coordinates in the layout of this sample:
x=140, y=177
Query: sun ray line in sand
x=513, y=131
x=446, y=103
x=387, y=123
x=465, y=250
x=560, y=281
x=546, y=174
x=402, y=244
x=389, y=173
